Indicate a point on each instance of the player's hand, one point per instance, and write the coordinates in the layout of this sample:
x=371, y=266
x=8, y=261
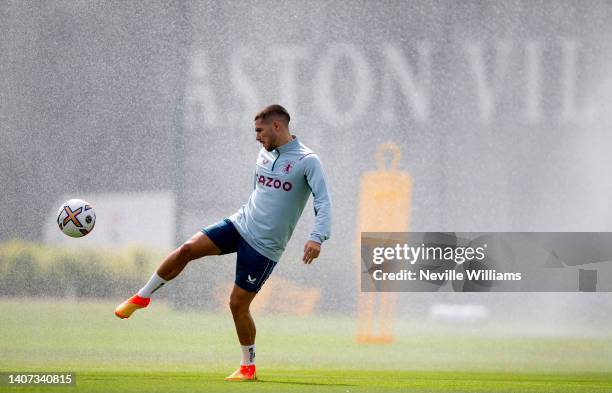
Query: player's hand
x=311, y=251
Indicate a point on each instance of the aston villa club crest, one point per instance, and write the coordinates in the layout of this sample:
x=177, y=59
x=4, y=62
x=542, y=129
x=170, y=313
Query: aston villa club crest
x=288, y=166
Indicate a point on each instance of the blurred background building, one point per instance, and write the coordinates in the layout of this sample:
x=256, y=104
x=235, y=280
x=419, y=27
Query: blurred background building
x=502, y=111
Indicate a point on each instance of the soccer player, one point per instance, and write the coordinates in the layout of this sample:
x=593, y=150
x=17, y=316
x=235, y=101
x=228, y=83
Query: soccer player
x=286, y=173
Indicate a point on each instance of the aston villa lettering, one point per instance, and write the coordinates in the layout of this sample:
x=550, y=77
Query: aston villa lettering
x=399, y=81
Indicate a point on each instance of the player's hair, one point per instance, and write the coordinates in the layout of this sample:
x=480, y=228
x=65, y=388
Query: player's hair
x=272, y=111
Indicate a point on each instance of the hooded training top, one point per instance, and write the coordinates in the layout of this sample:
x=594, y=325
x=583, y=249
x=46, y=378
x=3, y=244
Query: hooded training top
x=284, y=178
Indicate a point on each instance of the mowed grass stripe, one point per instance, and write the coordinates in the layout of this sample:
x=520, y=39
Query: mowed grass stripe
x=340, y=381
x=167, y=350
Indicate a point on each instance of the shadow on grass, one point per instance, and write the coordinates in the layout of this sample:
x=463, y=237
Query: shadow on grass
x=304, y=383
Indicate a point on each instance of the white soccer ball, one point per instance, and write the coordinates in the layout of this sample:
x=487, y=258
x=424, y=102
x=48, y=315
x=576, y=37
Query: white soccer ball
x=76, y=218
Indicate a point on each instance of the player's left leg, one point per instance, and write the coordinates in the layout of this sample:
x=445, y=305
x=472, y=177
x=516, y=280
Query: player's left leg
x=240, y=302
x=252, y=271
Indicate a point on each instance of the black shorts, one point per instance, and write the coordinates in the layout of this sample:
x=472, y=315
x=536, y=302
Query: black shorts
x=252, y=268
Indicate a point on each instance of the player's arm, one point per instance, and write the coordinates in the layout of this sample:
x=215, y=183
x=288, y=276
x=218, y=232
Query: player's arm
x=322, y=207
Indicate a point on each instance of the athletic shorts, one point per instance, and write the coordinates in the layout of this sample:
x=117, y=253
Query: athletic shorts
x=252, y=268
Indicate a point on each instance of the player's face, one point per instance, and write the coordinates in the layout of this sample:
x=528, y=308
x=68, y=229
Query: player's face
x=264, y=133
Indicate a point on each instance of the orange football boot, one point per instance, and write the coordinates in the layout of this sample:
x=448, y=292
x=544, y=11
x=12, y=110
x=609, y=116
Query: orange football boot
x=125, y=309
x=244, y=373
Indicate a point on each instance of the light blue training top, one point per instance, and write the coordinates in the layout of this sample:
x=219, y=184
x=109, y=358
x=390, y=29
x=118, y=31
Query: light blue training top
x=284, y=178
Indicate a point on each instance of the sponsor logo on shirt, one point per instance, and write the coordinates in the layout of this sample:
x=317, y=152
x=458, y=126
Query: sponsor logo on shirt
x=271, y=182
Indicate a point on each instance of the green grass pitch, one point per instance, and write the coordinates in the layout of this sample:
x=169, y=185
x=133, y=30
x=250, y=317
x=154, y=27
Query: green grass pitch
x=165, y=350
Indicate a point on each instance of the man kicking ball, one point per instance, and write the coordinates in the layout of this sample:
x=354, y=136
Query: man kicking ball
x=286, y=173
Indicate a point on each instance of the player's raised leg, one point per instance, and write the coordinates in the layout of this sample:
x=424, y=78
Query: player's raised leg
x=240, y=301
x=198, y=246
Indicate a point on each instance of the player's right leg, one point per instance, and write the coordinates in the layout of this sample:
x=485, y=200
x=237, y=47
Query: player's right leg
x=198, y=246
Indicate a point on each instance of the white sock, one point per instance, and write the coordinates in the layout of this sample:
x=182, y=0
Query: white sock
x=153, y=285
x=248, y=355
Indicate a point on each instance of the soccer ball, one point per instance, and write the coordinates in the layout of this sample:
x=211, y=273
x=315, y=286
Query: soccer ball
x=76, y=218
